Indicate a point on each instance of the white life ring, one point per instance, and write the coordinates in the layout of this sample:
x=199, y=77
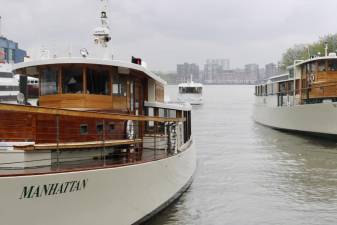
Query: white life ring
x=130, y=130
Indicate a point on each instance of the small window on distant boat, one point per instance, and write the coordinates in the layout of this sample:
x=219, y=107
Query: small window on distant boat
x=332, y=65
x=111, y=127
x=99, y=128
x=83, y=129
x=321, y=66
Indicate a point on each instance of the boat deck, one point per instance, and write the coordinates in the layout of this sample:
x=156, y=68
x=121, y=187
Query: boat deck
x=124, y=158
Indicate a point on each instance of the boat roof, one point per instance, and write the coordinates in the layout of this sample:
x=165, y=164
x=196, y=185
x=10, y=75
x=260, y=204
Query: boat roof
x=278, y=78
x=313, y=59
x=93, y=61
x=169, y=105
x=190, y=84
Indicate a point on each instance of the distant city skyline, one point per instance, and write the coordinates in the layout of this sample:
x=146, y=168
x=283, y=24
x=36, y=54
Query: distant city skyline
x=218, y=71
x=166, y=33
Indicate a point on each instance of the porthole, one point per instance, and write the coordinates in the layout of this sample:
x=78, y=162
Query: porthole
x=83, y=129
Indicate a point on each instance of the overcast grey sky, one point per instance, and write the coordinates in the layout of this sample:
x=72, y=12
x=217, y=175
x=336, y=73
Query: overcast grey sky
x=167, y=32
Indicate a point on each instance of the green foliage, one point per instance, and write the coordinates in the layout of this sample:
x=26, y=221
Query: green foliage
x=303, y=52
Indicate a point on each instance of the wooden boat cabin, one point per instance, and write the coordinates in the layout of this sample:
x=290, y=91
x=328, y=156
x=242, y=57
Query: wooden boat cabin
x=313, y=81
x=92, y=110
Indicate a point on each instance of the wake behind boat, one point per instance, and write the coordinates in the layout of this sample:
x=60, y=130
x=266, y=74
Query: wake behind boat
x=102, y=147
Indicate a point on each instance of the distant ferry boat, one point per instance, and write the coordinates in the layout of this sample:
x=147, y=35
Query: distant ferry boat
x=102, y=147
x=191, y=92
x=305, y=99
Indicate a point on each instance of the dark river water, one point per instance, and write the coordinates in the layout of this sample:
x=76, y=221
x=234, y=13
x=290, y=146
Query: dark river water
x=250, y=174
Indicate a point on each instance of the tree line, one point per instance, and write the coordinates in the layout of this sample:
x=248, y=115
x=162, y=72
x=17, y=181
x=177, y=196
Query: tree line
x=303, y=52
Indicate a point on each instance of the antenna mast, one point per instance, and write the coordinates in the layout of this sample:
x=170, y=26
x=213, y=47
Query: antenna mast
x=102, y=33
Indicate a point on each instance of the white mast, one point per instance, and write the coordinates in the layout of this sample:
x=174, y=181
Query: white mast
x=326, y=48
x=102, y=33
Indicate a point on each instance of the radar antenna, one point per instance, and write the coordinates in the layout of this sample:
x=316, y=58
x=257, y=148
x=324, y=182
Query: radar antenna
x=102, y=33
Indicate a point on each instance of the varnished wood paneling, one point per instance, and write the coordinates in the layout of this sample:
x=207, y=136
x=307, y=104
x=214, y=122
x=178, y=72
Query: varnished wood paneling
x=16, y=126
x=159, y=93
x=79, y=101
x=64, y=112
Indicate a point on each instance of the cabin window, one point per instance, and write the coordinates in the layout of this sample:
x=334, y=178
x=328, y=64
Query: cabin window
x=72, y=80
x=161, y=112
x=173, y=114
x=49, y=81
x=99, y=128
x=190, y=90
x=332, y=65
x=313, y=67
x=150, y=112
x=291, y=72
x=111, y=127
x=321, y=66
x=118, y=85
x=283, y=88
x=98, y=82
x=84, y=129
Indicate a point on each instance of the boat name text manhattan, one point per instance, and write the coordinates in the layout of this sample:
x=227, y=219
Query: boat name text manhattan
x=39, y=191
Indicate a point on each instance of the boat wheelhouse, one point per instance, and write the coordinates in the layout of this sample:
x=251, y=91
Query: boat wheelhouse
x=191, y=92
x=303, y=99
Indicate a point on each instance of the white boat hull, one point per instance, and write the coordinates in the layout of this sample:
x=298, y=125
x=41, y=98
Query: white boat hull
x=193, y=99
x=124, y=195
x=312, y=118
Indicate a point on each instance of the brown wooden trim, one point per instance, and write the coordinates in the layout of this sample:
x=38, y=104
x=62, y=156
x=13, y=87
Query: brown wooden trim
x=78, y=145
x=64, y=112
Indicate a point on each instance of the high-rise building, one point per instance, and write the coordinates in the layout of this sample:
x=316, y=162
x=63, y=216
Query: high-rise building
x=252, y=73
x=10, y=52
x=215, y=67
x=186, y=70
x=271, y=70
x=224, y=63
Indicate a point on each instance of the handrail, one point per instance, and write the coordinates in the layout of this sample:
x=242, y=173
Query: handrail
x=97, y=115
x=77, y=145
